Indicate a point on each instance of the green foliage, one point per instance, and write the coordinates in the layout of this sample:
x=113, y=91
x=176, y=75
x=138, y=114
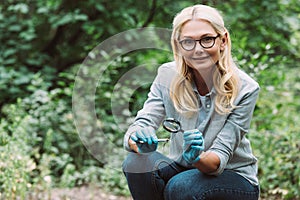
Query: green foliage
x=16, y=165
x=18, y=83
x=276, y=140
x=40, y=33
x=278, y=161
x=43, y=124
x=42, y=43
x=114, y=181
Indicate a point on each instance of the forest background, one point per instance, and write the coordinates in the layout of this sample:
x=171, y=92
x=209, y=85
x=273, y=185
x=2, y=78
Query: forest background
x=43, y=46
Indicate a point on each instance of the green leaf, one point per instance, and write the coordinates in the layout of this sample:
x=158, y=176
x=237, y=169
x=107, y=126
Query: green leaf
x=21, y=7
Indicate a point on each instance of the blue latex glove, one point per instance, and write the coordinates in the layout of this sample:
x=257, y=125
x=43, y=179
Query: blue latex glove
x=145, y=139
x=193, y=145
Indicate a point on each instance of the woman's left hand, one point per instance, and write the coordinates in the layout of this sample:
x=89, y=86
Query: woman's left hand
x=193, y=145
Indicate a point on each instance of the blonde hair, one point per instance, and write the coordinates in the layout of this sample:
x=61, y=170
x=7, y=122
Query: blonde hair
x=225, y=79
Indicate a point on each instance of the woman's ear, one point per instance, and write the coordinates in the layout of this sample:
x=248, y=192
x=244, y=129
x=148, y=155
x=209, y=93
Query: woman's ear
x=224, y=40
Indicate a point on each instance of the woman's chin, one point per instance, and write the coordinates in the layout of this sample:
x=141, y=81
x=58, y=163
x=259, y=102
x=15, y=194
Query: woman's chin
x=202, y=64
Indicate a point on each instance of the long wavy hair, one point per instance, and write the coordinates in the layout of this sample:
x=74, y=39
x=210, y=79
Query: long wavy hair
x=225, y=78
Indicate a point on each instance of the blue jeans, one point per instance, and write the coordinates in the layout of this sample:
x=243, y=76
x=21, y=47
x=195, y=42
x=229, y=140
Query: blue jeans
x=153, y=176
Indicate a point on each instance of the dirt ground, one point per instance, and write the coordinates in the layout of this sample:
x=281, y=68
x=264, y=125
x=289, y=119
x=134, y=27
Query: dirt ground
x=91, y=193
x=83, y=193
x=79, y=193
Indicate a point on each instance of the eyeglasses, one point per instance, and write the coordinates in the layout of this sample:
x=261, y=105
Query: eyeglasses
x=206, y=43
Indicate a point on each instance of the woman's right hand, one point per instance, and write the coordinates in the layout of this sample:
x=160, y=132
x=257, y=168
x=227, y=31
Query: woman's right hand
x=143, y=140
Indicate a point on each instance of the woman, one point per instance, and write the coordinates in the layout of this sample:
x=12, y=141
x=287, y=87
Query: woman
x=214, y=101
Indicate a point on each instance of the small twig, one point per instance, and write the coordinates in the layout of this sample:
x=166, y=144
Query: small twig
x=151, y=14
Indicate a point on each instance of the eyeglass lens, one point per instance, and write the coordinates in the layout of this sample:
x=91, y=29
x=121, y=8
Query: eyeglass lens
x=190, y=44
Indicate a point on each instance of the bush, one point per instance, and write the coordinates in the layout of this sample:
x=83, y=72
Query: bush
x=16, y=165
x=276, y=141
x=39, y=128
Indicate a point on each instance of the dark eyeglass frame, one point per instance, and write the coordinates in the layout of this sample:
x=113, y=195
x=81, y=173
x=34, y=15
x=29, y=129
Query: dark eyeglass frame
x=200, y=42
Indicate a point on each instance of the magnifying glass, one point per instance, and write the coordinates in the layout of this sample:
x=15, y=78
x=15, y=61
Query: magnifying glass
x=171, y=125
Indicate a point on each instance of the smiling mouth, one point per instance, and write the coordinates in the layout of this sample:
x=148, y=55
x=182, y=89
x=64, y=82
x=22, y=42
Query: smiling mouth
x=200, y=58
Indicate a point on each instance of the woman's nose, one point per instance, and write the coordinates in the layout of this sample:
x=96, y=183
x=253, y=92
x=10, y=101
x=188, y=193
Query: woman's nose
x=198, y=47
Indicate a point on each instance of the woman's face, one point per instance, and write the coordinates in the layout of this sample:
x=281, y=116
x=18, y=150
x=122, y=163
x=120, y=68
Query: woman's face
x=201, y=58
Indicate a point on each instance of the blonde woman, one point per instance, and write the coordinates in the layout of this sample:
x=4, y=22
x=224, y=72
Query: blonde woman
x=214, y=102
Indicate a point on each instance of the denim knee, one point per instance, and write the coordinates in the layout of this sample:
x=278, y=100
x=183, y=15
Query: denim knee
x=147, y=174
x=193, y=184
x=177, y=188
x=139, y=163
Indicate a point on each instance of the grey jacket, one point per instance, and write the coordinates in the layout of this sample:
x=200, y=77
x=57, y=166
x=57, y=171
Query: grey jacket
x=224, y=135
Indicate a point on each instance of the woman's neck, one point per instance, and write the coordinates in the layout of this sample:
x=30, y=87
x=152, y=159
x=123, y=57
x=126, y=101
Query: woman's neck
x=203, y=81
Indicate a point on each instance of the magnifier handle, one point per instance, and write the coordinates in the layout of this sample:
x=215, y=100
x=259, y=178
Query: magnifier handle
x=163, y=140
x=159, y=140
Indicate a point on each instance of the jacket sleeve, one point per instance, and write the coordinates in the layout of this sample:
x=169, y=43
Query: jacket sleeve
x=235, y=127
x=153, y=110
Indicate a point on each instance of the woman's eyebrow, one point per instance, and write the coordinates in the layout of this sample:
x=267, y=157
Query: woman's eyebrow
x=202, y=36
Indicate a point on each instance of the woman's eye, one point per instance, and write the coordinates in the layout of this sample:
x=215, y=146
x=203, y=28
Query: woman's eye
x=207, y=39
x=188, y=42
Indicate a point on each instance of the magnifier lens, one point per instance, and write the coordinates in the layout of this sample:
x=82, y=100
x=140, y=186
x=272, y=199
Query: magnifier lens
x=172, y=125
